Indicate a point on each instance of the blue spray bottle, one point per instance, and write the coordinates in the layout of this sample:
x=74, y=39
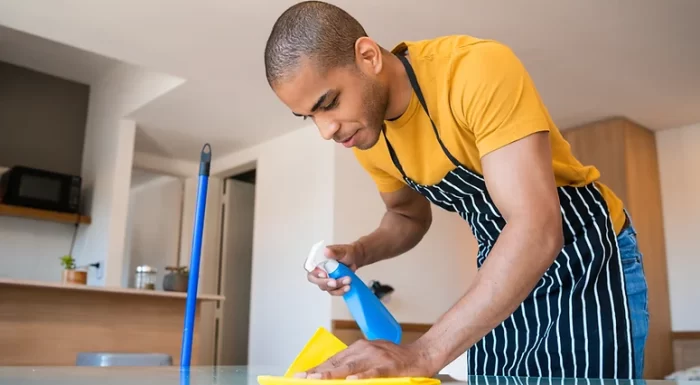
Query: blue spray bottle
x=373, y=318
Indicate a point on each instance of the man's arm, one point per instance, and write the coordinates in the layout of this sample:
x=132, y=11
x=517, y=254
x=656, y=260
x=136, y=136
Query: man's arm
x=407, y=219
x=520, y=180
x=405, y=222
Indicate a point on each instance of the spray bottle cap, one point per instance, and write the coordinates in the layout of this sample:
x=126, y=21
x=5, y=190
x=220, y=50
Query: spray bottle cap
x=316, y=257
x=330, y=265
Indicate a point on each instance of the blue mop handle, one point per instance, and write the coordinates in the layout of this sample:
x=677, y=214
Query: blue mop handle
x=204, y=166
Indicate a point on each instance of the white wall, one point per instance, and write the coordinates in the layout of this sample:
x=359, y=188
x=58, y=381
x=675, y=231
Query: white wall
x=236, y=264
x=106, y=181
x=427, y=280
x=167, y=166
x=30, y=249
x=153, y=227
x=679, y=160
x=107, y=164
x=293, y=210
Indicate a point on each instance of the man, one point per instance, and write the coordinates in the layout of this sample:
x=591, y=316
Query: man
x=456, y=121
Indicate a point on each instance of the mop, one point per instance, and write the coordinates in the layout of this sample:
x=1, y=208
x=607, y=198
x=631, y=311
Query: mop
x=204, y=166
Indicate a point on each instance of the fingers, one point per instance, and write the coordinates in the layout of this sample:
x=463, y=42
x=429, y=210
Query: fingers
x=350, y=368
x=341, y=291
x=335, y=287
x=335, y=251
x=341, y=365
x=342, y=254
x=360, y=360
x=371, y=373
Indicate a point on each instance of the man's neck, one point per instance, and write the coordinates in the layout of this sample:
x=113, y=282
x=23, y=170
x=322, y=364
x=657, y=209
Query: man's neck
x=400, y=90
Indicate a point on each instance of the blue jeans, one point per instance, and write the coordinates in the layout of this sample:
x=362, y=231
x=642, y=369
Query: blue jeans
x=636, y=286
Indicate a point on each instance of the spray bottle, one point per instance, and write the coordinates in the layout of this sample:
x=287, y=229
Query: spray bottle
x=373, y=318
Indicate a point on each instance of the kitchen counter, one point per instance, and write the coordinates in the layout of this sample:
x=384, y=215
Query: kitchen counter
x=45, y=323
x=172, y=375
x=103, y=289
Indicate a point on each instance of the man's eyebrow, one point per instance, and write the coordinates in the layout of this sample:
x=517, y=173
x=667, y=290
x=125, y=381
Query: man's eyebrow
x=317, y=104
x=320, y=101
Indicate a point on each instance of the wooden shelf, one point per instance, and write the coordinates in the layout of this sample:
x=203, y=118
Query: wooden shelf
x=45, y=215
x=104, y=289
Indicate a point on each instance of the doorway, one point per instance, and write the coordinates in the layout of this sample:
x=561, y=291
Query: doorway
x=235, y=263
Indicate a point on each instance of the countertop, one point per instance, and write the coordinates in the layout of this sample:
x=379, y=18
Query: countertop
x=105, y=289
x=230, y=376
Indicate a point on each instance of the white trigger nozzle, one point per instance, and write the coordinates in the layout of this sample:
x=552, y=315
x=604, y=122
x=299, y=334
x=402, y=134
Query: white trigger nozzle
x=315, y=257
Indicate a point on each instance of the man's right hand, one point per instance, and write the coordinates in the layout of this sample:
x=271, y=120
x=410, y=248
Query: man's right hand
x=350, y=255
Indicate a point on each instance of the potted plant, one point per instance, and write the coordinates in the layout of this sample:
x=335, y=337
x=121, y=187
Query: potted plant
x=70, y=273
x=177, y=279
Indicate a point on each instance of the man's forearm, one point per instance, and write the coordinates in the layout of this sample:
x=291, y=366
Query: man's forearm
x=395, y=235
x=517, y=261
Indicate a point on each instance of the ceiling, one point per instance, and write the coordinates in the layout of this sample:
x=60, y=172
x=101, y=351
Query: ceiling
x=590, y=59
x=141, y=177
x=52, y=58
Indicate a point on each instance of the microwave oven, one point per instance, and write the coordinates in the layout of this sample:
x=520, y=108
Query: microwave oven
x=40, y=189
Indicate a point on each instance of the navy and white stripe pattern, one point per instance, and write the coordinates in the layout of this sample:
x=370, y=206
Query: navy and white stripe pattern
x=488, y=380
x=576, y=321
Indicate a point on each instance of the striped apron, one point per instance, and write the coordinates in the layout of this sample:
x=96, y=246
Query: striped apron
x=576, y=321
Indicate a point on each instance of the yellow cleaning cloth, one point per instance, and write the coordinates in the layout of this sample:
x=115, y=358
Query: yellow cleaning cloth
x=272, y=380
x=322, y=346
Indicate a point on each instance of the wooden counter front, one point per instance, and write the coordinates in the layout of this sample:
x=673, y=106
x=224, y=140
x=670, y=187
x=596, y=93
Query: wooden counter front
x=49, y=324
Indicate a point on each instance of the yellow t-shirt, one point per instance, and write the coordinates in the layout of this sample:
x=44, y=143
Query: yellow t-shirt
x=481, y=98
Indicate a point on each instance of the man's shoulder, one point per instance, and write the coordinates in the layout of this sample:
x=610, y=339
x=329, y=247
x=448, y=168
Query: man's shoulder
x=454, y=62
x=448, y=47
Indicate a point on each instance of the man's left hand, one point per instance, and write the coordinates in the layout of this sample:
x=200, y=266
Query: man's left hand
x=374, y=359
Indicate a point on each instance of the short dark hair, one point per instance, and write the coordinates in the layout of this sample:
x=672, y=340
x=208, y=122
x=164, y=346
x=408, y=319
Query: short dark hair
x=314, y=30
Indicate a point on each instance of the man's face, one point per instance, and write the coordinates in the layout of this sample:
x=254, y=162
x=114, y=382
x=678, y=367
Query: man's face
x=346, y=104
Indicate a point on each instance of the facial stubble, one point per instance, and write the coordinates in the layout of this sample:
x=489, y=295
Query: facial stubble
x=375, y=101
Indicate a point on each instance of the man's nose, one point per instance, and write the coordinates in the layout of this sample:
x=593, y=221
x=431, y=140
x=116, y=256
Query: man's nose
x=327, y=128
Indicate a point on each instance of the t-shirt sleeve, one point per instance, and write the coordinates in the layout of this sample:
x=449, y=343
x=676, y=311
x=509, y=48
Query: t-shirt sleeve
x=493, y=96
x=385, y=182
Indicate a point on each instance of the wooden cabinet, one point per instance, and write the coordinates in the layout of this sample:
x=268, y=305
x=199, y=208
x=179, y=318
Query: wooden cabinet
x=625, y=154
x=48, y=324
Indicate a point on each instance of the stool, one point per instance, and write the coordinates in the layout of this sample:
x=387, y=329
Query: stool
x=123, y=359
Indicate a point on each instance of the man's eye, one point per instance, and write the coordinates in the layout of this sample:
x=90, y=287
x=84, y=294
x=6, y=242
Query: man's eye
x=333, y=104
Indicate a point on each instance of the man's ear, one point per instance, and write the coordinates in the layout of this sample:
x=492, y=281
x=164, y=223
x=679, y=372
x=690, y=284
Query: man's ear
x=368, y=55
